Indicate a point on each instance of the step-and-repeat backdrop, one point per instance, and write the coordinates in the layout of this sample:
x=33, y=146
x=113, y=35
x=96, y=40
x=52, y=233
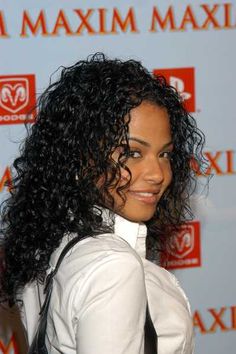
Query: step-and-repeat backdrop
x=192, y=43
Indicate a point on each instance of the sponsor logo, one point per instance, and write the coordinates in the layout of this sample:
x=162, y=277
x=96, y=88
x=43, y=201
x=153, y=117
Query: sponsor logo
x=3, y=27
x=17, y=99
x=107, y=21
x=6, y=180
x=215, y=320
x=10, y=347
x=183, y=80
x=220, y=163
x=116, y=23
x=184, y=250
x=196, y=18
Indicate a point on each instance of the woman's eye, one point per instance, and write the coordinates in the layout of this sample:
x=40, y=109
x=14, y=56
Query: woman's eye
x=134, y=154
x=167, y=154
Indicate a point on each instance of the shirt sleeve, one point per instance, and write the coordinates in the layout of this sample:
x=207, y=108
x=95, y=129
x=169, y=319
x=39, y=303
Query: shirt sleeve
x=111, y=320
x=30, y=309
x=170, y=311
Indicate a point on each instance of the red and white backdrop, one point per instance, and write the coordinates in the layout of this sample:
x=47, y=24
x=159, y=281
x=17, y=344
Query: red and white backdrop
x=192, y=43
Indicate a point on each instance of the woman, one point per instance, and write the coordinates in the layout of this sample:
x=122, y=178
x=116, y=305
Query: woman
x=107, y=161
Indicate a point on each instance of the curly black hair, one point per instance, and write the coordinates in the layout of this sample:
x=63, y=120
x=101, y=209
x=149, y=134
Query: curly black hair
x=81, y=118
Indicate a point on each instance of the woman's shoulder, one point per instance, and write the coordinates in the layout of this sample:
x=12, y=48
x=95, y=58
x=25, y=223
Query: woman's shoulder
x=93, y=265
x=91, y=252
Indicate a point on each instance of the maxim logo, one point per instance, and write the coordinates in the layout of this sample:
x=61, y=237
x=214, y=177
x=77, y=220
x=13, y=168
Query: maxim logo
x=220, y=163
x=10, y=348
x=177, y=17
x=6, y=179
x=17, y=98
x=213, y=320
x=184, y=250
x=183, y=80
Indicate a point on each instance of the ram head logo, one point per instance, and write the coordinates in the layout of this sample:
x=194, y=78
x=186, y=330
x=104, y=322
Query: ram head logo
x=14, y=94
x=183, y=243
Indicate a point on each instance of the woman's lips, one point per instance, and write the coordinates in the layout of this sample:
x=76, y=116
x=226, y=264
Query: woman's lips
x=146, y=197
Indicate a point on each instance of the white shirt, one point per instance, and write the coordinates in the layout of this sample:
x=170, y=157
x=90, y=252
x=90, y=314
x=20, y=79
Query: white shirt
x=98, y=303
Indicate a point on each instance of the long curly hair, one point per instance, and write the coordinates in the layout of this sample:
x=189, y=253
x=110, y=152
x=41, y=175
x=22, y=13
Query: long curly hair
x=81, y=119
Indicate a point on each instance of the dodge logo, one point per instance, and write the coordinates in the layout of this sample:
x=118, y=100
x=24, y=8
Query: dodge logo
x=183, y=243
x=14, y=94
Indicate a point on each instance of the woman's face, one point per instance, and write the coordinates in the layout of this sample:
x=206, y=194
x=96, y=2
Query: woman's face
x=150, y=145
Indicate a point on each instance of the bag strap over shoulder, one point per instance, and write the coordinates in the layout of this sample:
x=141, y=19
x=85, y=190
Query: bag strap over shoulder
x=49, y=279
x=38, y=345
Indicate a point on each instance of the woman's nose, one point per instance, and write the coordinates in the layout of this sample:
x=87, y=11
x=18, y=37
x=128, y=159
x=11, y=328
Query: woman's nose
x=154, y=171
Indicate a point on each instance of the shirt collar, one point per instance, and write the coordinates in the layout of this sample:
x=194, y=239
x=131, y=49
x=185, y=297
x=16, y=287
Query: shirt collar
x=132, y=232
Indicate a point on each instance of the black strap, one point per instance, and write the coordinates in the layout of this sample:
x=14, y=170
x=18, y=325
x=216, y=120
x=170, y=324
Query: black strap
x=150, y=336
x=49, y=280
x=38, y=345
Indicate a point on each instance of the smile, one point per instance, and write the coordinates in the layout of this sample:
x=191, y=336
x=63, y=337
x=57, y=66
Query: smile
x=146, y=197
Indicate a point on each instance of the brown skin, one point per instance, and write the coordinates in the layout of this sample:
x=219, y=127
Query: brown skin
x=149, y=163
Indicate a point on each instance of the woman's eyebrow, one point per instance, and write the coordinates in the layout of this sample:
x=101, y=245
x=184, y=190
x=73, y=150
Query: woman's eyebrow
x=145, y=143
x=168, y=144
x=138, y=140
